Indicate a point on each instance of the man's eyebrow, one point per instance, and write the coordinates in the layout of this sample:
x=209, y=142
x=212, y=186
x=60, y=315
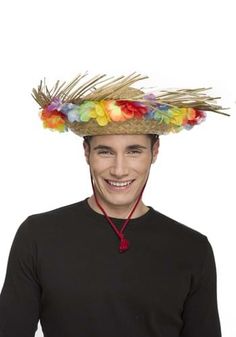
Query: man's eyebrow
x=129, y=147
x=103, y=147
x=136, y=146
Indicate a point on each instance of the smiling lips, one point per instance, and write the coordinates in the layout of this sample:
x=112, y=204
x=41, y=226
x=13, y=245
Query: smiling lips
x=119, y=184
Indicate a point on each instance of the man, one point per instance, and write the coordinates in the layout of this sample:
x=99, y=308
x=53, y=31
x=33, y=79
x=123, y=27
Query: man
x=110, y=265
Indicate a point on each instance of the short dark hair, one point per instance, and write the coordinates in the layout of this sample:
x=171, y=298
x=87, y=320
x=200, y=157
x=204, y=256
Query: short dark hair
x=153, y=138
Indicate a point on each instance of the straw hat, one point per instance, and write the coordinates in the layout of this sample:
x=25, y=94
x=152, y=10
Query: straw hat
x=103, y=106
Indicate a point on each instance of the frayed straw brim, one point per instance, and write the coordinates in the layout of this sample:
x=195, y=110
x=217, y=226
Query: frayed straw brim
x=101, y=88
x=130, y=126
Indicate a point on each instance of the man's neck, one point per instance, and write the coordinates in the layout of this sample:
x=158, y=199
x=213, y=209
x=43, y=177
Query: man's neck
x=118, y=212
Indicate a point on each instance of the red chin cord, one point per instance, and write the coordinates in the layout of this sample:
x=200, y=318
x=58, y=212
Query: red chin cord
x=124, y=243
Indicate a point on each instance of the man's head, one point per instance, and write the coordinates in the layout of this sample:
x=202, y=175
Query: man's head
x=120, y=166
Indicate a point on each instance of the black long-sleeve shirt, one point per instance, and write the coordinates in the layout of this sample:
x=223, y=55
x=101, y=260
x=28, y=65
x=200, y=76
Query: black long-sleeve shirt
x=65, y=269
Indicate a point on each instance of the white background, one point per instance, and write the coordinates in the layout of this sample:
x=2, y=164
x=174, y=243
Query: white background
x=177, y=44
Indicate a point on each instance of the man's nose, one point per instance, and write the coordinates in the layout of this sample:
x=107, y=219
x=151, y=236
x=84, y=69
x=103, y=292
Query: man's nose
x=119, y=167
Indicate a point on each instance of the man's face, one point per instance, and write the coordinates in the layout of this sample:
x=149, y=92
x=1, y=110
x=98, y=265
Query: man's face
x=120, y=166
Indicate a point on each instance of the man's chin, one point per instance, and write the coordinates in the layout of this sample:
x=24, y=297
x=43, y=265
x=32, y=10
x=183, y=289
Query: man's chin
x=120, y=202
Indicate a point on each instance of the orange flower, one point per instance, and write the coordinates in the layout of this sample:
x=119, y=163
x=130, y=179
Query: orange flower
x=114, y=111
x=54, y=120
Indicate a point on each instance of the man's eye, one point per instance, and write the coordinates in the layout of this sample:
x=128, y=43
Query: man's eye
x=105, y=152
x=134, y=151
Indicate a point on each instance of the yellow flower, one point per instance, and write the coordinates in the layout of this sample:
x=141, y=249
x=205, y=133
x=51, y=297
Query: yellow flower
x=178, y=116
x=99, y=113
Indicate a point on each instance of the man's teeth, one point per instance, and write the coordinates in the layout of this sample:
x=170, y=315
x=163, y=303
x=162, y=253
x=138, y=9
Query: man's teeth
x=119, y=184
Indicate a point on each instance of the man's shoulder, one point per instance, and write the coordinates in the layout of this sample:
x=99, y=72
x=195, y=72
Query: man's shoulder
x=179, y=239
x=50, y=219
x=175, y=229
x=60, y=211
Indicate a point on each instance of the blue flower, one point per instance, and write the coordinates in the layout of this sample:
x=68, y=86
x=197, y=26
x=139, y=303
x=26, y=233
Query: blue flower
x=188, y=126
x=162, y=107
x=73, y=115
x=66, y=107
x=150, y=114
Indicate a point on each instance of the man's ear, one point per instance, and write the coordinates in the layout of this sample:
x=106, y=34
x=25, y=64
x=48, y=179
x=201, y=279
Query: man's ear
x=86, y=151
x=155, y=150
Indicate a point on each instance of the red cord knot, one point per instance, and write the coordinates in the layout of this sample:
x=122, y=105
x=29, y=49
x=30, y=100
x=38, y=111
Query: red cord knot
x=124, y=245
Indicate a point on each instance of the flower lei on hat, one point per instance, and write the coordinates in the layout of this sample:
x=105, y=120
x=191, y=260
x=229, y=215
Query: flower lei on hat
x=115, y=102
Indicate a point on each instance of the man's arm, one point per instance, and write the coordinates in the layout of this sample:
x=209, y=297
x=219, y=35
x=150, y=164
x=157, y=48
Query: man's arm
x=20, y=296
x=200, y=314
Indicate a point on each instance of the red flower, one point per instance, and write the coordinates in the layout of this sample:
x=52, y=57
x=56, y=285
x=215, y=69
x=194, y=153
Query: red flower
x=132, y=109
x=199, y=116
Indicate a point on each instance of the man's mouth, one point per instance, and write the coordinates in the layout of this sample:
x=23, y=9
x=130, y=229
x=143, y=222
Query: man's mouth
x=119, y=184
